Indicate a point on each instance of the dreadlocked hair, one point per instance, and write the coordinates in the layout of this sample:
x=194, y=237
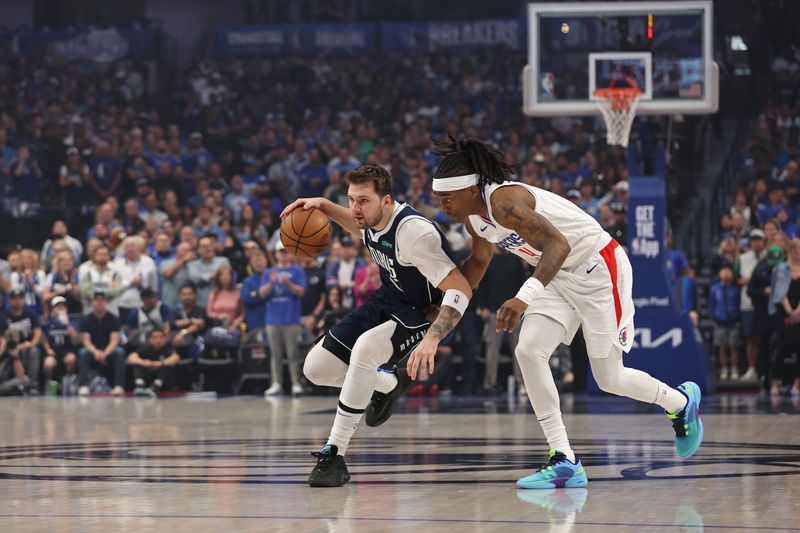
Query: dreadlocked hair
x=471, y=156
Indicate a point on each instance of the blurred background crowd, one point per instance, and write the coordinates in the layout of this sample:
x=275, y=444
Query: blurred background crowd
x=141, y=212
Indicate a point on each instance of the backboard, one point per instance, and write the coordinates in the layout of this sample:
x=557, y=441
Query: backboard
x=665, y=47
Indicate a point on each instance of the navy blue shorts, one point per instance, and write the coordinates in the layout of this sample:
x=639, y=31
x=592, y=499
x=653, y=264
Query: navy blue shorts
x=379, y=308
x=61, y=353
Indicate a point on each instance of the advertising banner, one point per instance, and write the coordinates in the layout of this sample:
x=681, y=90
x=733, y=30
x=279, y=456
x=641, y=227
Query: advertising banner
x=667, y=346
x=666, y=343
x=301, y=39
x=463, y=35
x=98, y=45
x=647, y=238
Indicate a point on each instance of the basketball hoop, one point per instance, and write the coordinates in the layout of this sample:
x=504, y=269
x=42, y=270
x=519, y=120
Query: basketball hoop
x=618, y=106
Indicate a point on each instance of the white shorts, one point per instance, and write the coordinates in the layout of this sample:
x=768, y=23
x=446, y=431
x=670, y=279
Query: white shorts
x=595, y=294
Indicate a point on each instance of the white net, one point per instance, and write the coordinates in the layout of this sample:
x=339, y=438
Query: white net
x=618, y=107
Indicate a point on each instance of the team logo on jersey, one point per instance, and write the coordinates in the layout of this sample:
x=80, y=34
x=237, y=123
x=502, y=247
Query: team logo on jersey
x=515, y=243
x=623, y=336
x=511, y=242
x=387, y=264
x=386, y=243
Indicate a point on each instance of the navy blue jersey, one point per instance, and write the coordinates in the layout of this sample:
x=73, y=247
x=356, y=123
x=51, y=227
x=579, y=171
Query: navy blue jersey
x=58, y=336
x=404, y=283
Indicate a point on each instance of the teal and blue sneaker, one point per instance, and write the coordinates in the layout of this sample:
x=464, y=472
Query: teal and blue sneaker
x=557, y=472
x=687, y=424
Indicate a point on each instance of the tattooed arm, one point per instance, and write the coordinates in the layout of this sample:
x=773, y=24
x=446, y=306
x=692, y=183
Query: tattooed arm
x=448, y=316
x=514, y=208
x=421, y=359
x=419, y=245
x=445, y=322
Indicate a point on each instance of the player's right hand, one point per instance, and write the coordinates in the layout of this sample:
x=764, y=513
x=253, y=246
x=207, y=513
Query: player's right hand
x=304, y=203
x=421, y=361
x=509, y=314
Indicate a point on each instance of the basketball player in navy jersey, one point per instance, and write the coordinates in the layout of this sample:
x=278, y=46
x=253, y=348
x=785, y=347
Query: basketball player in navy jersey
x=416, y=273
x=582, y=278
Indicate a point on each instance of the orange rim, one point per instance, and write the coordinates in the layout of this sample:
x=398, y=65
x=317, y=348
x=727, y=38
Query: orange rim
x=619, y=97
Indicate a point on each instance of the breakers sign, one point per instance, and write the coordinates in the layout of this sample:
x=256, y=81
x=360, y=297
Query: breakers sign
x=466, y=35
x=479, y=33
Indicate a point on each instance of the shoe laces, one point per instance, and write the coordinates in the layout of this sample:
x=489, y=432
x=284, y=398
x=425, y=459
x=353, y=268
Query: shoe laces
x=679, y=423
x=325, y=455
x=556, y=457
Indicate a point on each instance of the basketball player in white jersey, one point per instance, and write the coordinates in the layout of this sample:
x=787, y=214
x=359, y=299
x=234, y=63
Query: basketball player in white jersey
x=417, y=272
x=582, y=278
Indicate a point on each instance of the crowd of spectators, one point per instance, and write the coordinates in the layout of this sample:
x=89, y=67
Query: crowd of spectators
x=168, y=215
x=755, y=299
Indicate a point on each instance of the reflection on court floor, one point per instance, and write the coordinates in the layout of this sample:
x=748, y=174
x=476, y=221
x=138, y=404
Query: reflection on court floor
x=104, y=464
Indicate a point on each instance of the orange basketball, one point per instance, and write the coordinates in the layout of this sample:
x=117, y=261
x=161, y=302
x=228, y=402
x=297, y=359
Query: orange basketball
x=306, y=233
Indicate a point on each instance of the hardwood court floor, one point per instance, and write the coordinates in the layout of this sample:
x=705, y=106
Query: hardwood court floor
x=240, y=464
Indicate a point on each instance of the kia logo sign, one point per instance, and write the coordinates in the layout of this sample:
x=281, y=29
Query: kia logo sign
x=644, y=338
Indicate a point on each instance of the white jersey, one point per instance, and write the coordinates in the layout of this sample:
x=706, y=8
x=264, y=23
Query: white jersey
x=418, y=244
x=582, y=232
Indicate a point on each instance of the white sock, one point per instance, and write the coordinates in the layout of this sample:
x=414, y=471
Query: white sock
x=539, y=337
x=669, y=399
x=356, y=394
x=371, y=350
x=344, y=425
x=556, y=433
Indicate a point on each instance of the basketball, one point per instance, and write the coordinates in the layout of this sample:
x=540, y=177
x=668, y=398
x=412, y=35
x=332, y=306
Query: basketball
x=306, y=233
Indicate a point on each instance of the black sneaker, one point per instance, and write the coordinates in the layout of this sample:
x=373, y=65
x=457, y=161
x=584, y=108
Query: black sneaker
x=382, y=405
x=330, y=470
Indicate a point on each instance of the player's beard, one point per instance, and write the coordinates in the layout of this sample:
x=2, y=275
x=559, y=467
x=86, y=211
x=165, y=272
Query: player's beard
x=367, y=222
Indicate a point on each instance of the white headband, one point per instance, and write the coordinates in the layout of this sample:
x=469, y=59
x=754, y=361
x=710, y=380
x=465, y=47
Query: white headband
x=454, y=183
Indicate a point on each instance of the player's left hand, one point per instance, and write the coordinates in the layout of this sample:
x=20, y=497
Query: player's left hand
x=421, y=359
x=509, y=313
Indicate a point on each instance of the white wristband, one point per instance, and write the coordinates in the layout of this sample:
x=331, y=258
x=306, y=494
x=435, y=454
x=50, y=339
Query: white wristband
x=530, y=290
x=456, y=299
